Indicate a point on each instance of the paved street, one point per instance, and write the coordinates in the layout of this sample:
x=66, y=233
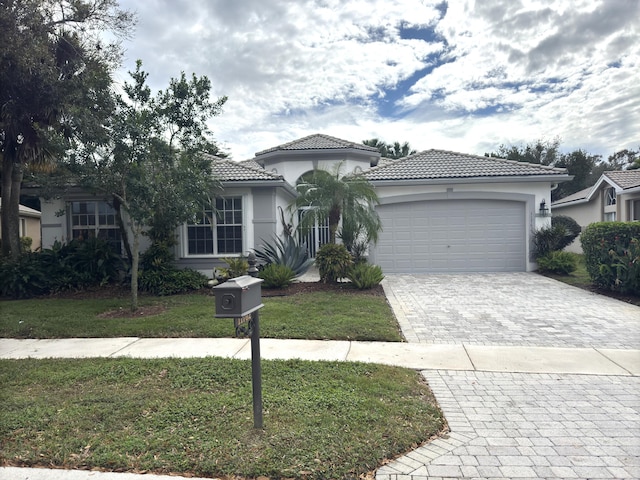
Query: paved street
x=522, y=425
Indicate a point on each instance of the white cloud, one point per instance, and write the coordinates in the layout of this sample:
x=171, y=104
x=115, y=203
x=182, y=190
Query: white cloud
x=295, y=68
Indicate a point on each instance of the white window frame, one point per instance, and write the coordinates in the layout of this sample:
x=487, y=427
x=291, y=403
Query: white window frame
x=93, y=219
x=213, y=218
x=610, y=216
x=610, y=196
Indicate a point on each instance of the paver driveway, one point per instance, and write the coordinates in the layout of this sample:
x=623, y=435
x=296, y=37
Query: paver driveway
x=517, y=425
x=509, y=309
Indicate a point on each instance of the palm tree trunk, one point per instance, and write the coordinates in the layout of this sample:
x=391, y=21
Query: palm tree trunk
x=12, y=174
x=7, y=171
x=334, y=220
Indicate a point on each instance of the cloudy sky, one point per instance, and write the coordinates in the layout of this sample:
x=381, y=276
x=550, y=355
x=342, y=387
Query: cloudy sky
x=460, y=75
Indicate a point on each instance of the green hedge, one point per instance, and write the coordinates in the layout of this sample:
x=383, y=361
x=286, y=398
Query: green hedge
x=612, y=255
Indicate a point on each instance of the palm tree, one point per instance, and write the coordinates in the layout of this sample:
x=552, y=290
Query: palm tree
x=393, y=150
x=375, y=143
x=329, y=195
x=396, y=150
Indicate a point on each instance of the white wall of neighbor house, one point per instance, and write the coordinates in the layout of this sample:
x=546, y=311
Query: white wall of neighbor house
x=53, y=228
x=56, y=224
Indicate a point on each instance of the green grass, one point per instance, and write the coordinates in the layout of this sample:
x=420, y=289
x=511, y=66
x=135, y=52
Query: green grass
x=318, y=315
x=581, y=279
x=321, y=419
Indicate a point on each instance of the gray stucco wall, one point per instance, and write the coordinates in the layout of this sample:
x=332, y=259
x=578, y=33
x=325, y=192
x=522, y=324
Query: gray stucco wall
x=264, y=215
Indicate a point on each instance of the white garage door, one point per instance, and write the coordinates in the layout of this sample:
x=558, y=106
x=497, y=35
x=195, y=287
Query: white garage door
x=446, y=236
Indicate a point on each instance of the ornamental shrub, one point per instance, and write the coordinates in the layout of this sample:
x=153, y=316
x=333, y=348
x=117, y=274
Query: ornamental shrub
x=562, y=263
x=276, y=276
x=236, y=267
x=171, y=281
x=364, y=276
x=571, y=227
x=22, y=277
x=560, y=234
x=610, y=256
x=548, y=239
x=333, y=261
x=285, y=252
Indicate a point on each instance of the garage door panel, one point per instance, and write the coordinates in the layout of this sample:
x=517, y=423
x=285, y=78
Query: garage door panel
x=452, y=236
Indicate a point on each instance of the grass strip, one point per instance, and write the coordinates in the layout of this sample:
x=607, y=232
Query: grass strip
x=194, y=416
x=317, y=315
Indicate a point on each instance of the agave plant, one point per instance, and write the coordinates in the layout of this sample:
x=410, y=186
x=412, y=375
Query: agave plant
x=285, y=252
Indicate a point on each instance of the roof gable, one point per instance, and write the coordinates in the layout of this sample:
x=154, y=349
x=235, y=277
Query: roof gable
x=624, y=179
x=319, y=141
x=227, y=170
x=442, y=164
x=621, y=180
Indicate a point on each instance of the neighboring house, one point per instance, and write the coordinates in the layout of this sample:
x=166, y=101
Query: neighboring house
x=615, y=196
x=29, y=225
x=441, y=211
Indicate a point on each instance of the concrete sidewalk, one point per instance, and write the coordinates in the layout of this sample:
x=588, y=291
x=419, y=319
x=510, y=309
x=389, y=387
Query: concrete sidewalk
x=424, y=357
x=514, y=359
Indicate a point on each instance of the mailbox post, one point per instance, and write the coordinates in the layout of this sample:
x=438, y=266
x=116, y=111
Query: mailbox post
x=240, y=299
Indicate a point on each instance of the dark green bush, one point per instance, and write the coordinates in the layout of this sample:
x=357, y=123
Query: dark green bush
x=25, y=244
x=571, y=227
x=276, y=276
x=285, y=252
x=171, y=281
x=97, y=259
x=609, y=255
x=23, y=277
x=75, y=265
x=365, y=276
x=560, y=234
x=333, y=262
x=158, y=256
x=562, y=263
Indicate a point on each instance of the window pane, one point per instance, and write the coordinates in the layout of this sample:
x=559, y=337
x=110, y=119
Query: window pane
x=200, y=239
x=229, y=239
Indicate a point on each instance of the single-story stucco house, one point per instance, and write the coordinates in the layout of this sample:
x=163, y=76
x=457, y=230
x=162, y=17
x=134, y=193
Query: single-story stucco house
x=29, y=224
x=614, y=197
x=441, y=211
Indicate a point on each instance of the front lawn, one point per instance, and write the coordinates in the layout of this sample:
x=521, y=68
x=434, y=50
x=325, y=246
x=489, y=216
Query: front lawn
x=194, y=416
x=581, y=279
x=313, y=315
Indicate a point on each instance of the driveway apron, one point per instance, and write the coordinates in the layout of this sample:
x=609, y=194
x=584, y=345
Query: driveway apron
x=512, y=424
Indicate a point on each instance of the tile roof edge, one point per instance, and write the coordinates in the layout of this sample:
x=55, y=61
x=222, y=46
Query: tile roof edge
x=240, y=164
x=347, y=143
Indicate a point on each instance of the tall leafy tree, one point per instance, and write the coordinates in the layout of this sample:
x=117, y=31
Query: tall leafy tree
x=153, y=166
x=330, y=195
x=625, y=159
x=581, y=165
x=54, y=87
x=543, y=152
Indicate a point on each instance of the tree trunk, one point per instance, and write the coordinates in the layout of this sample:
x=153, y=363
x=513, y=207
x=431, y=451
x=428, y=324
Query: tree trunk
x=135, y=260
x=7, y=172
x=123, y=231
x=11, y=209
x=334, y=221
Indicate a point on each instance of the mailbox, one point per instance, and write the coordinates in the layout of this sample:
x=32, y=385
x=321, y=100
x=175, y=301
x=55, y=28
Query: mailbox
x=238, y=297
